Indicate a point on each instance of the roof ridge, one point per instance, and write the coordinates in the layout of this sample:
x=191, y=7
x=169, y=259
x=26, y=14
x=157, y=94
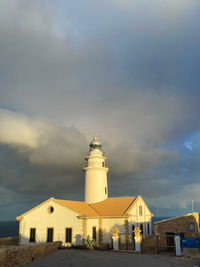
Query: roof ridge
x=120, y=197
x=69, y=200
x=130, y=204
x=94, y=208
x=95, y=202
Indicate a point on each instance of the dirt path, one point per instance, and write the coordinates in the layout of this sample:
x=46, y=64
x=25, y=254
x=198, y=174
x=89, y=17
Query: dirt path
x=85, y=258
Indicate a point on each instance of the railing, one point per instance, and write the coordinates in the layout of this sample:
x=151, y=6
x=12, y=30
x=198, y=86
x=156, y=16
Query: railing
x=158, y=243
x=126, y=242
x=108, y=244
x=95, y=164
x=86, y=154
x=109, y=238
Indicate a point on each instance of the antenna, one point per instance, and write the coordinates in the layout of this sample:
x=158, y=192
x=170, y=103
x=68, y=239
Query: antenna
x=192, y=206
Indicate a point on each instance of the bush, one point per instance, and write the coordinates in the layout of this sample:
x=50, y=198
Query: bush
x=87, y=243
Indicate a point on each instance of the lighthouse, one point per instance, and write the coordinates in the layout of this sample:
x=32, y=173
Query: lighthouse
x=95, y=167
x=93, y=219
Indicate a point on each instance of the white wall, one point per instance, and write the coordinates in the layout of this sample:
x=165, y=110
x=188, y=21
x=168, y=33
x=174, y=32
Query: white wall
x=60, y=219
x=137, y=219
x=92, y=223
x=107, y=226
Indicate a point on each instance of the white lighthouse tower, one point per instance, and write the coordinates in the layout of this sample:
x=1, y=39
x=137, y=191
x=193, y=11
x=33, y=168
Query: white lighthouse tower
x=96, y=187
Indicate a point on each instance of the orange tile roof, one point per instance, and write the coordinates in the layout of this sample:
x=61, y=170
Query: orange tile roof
x=81, y=207
x=116, y=206
x=108, y=207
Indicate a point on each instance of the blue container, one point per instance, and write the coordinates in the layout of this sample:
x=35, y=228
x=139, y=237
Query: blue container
x=190, y=242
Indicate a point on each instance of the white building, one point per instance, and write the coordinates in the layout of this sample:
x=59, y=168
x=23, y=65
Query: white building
x=71, y=221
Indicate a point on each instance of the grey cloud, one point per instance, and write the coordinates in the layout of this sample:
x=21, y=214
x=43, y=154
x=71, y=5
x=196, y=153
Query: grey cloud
x=43, y=142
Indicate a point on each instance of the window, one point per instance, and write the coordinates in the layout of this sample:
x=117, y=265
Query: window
x=32, y=235
x=191, y=227
x=94, y=233
x=105, y=190
x=86, y=162
x=68, y=235
x=140, y=210
x=49, y=234
x=148, y=228
x=50, y=209
x=141, y=228
x=133, y=228
x=103, y=164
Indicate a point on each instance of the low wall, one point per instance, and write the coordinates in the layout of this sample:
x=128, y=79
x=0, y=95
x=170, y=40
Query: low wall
x=193, y=253
x=149, y=244
x=19, y=256
x=9, y=241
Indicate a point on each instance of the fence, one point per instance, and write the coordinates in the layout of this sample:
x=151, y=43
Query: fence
x=9, y=241
x=158, y=244
x=154, y=244
x=126, y=242
x=141, y=243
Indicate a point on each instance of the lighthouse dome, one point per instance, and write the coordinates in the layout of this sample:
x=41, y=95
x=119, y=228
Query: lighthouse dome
x=95, y=144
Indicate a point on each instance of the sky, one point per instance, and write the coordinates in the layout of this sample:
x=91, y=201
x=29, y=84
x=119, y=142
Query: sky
x=127, y=70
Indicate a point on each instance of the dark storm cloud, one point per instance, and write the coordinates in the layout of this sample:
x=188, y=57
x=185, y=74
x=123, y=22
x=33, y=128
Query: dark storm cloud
x=46, y=157
x=126, y=69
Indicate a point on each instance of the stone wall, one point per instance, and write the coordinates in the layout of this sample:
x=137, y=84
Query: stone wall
x=9, y=241
x=191, y=253
x=179, y=225
x=21, y=255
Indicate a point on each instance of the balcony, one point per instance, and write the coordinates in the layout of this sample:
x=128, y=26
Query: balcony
x=95, y=164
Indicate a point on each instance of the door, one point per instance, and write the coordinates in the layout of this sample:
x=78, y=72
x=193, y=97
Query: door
x=170, y=240
x=50, y=235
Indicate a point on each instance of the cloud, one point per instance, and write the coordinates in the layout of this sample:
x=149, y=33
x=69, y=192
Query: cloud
x=183, y=197
x=17, y=129
x=125, y=160
x=170, y=8
x=7, y=196
x=42, y=141
x=47, y=143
